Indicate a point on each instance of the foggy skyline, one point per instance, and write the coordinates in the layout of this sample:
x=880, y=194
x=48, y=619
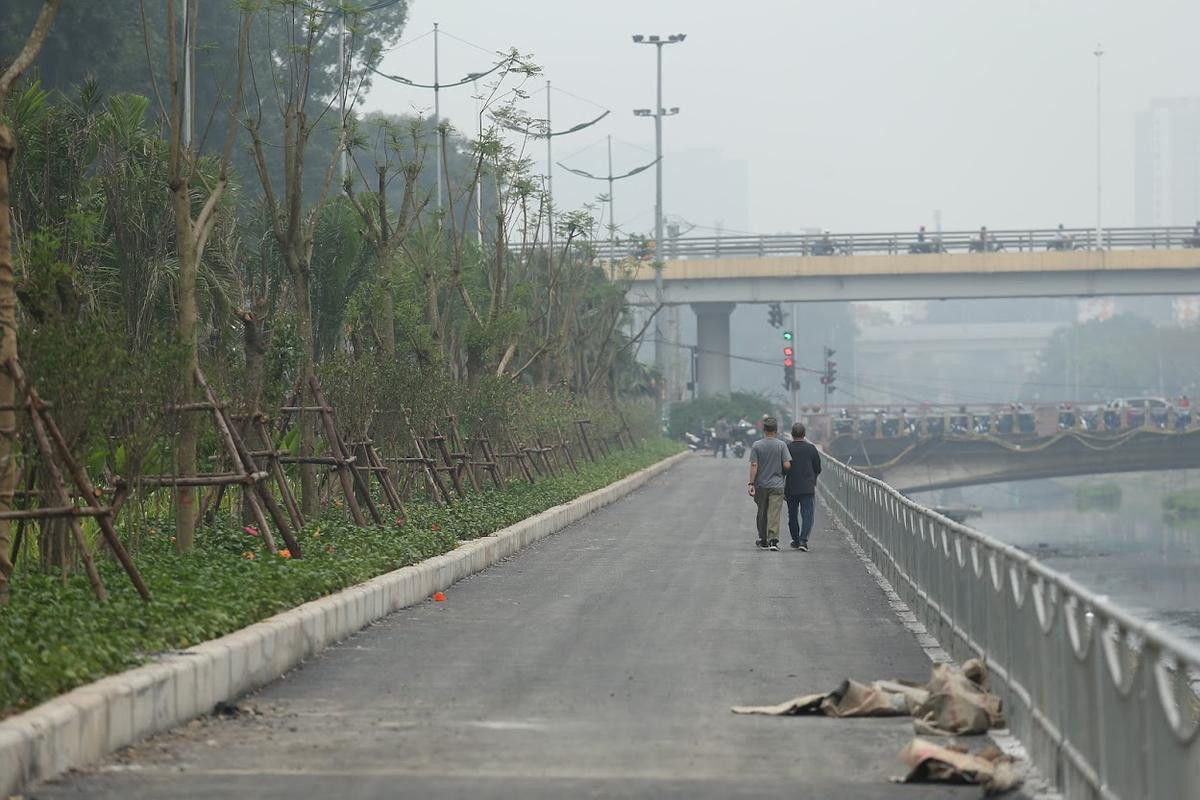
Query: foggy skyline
x=852, y=116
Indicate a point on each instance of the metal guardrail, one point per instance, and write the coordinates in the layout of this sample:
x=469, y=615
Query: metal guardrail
x=1105, y=703
x=893, y=243
x=999, y=419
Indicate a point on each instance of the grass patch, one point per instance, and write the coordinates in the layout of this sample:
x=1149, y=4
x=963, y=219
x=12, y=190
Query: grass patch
x=55, y=636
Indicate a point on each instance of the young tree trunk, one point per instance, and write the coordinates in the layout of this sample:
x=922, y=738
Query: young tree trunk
x=186, y=509
x=8, y=350
x=307, y=422
x=8, y=295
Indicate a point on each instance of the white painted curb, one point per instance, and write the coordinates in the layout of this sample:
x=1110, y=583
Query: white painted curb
x=84, y=725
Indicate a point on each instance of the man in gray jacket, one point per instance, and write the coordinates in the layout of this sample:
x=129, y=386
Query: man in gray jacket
x=769, y=462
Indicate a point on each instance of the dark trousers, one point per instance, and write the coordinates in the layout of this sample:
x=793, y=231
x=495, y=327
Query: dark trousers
x=800, y=524
x=719, y=447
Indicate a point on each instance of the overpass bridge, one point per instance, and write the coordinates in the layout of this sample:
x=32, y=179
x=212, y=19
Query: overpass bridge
x=948, y=448
x=713, y=274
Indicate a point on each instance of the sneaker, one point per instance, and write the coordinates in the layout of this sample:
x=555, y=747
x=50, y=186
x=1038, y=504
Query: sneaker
x=796, y=545
x=774, y=545
x=760, y=544
x=803, y=548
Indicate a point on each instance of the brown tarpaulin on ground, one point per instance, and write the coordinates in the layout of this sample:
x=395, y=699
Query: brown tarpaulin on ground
x=932, y=763
x=955, y=701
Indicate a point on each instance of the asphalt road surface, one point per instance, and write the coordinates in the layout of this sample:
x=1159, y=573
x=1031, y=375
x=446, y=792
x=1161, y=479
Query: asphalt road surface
x=600, y=662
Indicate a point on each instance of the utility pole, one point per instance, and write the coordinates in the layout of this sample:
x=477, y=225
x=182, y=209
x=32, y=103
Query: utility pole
x=795, y=384
x=549, y=187
x=1099, y=54
x=612, y=215
x=660, y=355
x=437, y=115
x=612, y=179
x=189, y=64
x=343, y=156
x=437, y=87
x=479, y=183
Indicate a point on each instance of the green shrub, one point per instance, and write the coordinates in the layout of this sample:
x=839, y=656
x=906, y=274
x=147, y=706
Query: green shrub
x=1182, y=506
x=1104, y=497
x=54, y=636
x=705, y=410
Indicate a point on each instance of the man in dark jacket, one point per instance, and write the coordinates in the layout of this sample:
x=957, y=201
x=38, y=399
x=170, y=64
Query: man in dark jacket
x=800, y=490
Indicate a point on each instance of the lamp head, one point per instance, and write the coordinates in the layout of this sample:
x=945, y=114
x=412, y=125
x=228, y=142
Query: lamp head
x=637, y=37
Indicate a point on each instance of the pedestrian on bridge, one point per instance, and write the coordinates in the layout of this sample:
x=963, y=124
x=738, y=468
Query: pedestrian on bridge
x=769, y=463
x=800, y=488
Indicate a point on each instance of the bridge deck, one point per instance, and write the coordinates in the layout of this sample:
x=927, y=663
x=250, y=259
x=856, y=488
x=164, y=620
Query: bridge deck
x=925, y=275
x=600, y=662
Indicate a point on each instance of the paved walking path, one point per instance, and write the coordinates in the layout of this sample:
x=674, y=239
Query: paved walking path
x=601, y=662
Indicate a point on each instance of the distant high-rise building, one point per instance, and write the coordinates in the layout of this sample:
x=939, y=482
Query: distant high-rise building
x=1167, y=162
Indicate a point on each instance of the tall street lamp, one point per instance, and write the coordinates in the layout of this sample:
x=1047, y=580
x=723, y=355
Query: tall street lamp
x=658, y=113
x=1099, y=54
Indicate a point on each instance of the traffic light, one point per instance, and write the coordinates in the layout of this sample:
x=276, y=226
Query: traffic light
x=787, y=336
x=830, y=373
x=789, y=368
x=775, y=315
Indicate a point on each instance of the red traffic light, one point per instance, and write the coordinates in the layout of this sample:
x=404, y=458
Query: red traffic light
x=787, y=351
x=787, y=362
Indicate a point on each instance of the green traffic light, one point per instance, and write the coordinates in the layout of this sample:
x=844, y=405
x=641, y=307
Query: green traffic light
x=787, y=336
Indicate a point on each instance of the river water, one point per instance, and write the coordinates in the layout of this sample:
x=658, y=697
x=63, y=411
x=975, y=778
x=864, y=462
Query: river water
x=1130, y=553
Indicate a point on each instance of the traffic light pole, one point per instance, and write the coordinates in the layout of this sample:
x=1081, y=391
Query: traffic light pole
x=795, y=383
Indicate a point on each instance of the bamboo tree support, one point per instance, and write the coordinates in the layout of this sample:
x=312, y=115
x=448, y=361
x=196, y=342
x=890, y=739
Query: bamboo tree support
x=438, y=490
x=626, y=430
x=257, y=494
x=520, y=458
x=546, y=452
x=338, y=458
x=583, y=437
x=351, y=478
x=566, y=448
x=461, y=453
x=488, y=462
x=275, y=467
x=366, y=454
x=439, y=443
x=523, y=453
x=43, y=424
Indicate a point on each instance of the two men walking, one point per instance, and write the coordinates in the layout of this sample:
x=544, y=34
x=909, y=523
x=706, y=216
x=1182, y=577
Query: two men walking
x=771, y=464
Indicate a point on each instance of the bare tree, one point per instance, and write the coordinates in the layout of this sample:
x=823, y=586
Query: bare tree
x=8, y=296
x=192, y=231
x=293, y=69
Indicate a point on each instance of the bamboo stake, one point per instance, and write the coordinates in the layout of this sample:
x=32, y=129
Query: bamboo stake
x=81, y=481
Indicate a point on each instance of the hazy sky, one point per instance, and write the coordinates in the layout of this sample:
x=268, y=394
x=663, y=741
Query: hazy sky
x=851, y=115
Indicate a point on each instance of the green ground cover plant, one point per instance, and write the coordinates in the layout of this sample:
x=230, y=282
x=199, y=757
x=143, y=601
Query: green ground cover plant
x=54, y=636
x=1182, y=507
x=1104, y=497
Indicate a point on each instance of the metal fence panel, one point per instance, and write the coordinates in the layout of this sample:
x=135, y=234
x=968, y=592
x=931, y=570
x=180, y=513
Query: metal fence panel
x=1106, y=704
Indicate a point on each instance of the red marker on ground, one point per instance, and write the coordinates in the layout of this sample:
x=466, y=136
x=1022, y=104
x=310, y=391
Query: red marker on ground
x=438, y=597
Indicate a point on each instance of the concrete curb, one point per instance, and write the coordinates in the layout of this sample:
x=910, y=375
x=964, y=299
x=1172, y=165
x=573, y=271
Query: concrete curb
x=84, y=725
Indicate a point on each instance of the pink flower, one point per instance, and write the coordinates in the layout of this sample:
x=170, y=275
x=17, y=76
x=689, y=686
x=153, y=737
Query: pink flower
x=251, y=530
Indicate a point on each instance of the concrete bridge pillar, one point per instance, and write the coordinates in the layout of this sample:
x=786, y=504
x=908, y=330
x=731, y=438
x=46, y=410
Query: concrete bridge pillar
x=712, y=340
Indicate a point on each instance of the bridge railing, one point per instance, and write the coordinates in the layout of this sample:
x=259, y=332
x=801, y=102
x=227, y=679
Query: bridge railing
x=1105, y=703
x=1041, y=420
x=897, y=242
